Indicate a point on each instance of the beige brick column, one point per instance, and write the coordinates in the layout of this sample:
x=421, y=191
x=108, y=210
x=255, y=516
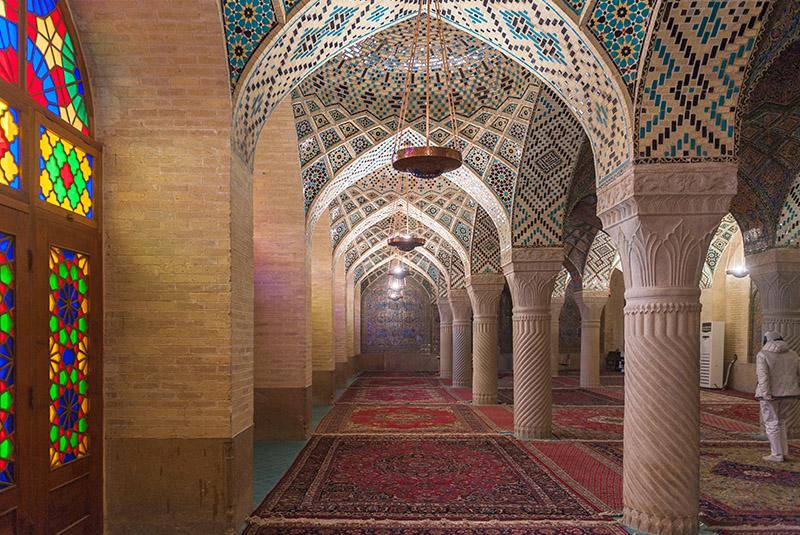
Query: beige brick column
x=462, y=325
x=350, y=314
x=591, y=304
x=484, y=293
x=662, y=218
x=321, y=282
x=776, y=272
x=531, y=275
x=339, y=325
x=556, y=304
x=357, y=320
x=445, y=338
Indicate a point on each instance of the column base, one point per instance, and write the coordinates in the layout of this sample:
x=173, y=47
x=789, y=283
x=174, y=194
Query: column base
x=340, y=375
x=462, y=383
x=484, y=399
x=445, y=375
x=532, y=432
x=282, y=413
x=590, y=384
x=660, y=525
x=323, y=390
x=351, y=366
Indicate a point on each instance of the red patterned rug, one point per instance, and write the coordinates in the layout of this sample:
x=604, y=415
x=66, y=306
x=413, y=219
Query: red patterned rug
x=415, y=395
x=489, y=478
x=463, y=394
x=566, y=396
x=379, y=373
x=258, y=526
x=742, y=412
x=499, y=417
x=382, y=382
x=354, y=419
x=599, y=478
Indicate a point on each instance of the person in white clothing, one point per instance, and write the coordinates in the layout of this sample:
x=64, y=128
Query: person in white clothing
x=778, y=370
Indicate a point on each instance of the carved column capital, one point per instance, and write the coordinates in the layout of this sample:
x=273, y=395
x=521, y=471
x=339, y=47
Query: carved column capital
x=460, y=306
x=484, y=291
x=591, y=304
x=445, y=312
x=662, y=218
x=531, y=274
x=776, y=272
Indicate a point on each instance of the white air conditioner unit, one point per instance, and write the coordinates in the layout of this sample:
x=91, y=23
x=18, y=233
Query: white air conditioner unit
x=712, y=354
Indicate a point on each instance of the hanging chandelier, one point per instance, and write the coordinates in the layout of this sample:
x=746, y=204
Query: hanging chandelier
x=403, y=233
x=427, y=161
x=397, y=269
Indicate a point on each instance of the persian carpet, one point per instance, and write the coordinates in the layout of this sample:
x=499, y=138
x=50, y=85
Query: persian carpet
x=499, y=417
x=566, y=396
x=381, y=382
x=742, y=412
x=468, y=478
x=599, y=477
x=354, y=419
x=258, y=526
x=397, y=374
x=463, y=394
x=413, y=395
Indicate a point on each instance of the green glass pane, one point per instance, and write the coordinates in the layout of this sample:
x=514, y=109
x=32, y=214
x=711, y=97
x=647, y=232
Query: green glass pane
x=63, y=336
x=82, y=325
x=82, y=286
x=6, y=323
x=5, y=400
x=82, y=425
x=53, y=434
x=6, y=275
x=73, y=440
x=82, y=387
x=53, y=324
x=73, y=337
x=62, y=443
x=53, y=282
x=74, y=274
x=5, y=449
x=63, y=271
x=73, y=376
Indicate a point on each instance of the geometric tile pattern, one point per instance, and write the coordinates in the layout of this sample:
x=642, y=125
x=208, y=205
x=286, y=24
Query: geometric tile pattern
x=725, y=232
x=456, y=272
x=789, y=223
x=247, y=22
x=600, y=263
x=485, y=250
x=579, y=236
x=420, y=259
x=620, y=25
x=544, y=178
x=691, y=80
x=380, y=273
x=537, y=36
x=562, y=280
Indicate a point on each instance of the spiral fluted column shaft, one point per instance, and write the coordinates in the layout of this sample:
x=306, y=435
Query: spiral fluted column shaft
x=662, y=218
x=531, y=275
x=776, y=272
x=462, y=338
x=445, y=338
x=556, y=304
x=484, y=294
x=591, y=304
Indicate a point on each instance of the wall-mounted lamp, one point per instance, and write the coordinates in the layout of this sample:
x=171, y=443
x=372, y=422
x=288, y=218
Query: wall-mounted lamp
x=739, y=272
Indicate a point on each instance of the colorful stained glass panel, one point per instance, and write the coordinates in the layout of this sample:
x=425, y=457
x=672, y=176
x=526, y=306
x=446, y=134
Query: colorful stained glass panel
x=65, y=174
x=69, y=359
x=9, y=41
x=7, y=359
x=52, y=74
x=9, y=146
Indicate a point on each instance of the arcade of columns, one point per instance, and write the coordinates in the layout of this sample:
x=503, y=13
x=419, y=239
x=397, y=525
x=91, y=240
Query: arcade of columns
x=662, y=218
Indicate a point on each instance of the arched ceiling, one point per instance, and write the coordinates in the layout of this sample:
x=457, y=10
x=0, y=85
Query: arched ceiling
x=378, y=273
x=418, y=262
x=770, y=151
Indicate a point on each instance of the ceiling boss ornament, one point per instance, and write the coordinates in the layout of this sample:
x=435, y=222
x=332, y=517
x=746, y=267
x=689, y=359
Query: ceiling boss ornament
x=427, y=161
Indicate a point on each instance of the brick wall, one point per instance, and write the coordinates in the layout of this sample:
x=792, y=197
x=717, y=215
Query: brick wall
x=339, y=317
x=322, y=297
x=175, y=298
x=282, y=325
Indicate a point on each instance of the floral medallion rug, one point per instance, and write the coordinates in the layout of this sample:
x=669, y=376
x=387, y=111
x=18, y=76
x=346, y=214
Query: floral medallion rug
x=436, y=478
x=566, y=396
x=355, y=419
x=382, y=382
x=259, y=526
x=410, y=395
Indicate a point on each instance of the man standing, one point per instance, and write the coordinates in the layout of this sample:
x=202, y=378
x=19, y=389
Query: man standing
x=778, y=370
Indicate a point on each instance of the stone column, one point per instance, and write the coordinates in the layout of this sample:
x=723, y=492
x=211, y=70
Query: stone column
x=776, y=272
x=484, y=293
x=531, y=275
x=462, y=325
x=445, y=338
x=662, y=218
x=556, y=304
x=590, y=303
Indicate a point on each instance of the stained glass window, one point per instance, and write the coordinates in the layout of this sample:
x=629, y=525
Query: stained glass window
x=65, y=174
x=69, y=315
x=52, y=73
x=9, y=40
x=9, y=146
x=7, y=360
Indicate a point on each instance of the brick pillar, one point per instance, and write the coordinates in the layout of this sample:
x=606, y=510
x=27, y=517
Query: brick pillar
x=322, y=356
x=556, y=304
x=339, y=325
x=484, y=294
x=350, y=314
x=531, y=275
x=462, y=325
x=662, y=218
x=776, y=272
x=591, y=304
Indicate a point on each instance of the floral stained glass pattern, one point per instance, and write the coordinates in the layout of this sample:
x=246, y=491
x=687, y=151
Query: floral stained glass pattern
x=53, y=77
x=69, y=359
x=65, y=174
x=7, y=360
x=9, y=41
x=9, y=146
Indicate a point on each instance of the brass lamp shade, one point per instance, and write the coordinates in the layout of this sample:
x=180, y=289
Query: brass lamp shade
x=426, y=162
x=405, y=242
x=400, y=272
